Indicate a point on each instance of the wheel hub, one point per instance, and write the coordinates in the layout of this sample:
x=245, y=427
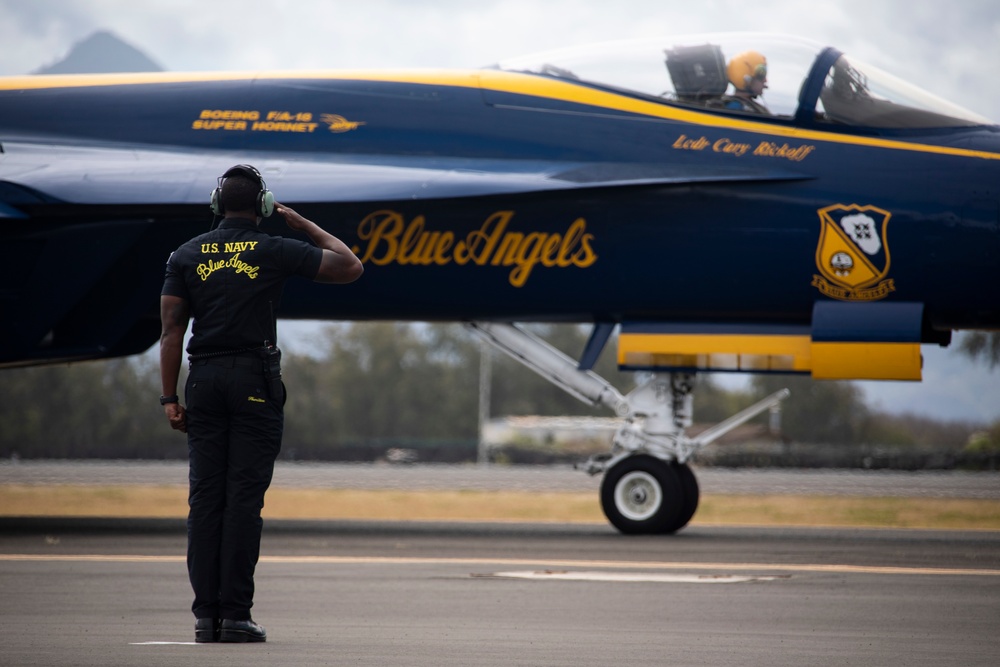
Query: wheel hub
x=638, y=496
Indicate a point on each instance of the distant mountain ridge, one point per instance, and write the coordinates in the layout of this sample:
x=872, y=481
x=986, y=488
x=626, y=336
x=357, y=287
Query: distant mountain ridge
x=102, y=52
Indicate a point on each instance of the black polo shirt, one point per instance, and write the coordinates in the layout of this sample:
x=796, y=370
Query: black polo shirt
x=232, y=278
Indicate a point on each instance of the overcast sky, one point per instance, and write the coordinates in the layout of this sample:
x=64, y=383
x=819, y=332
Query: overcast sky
x=950, y=48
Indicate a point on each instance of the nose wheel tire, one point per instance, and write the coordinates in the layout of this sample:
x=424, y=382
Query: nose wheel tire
x=642, y=494
x=689, y=488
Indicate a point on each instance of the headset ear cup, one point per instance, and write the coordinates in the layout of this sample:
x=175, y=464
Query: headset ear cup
x=265, y=204
x=217, y=201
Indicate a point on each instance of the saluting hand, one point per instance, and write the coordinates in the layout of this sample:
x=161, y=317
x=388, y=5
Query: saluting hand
x=339, y=263
x=292, y=218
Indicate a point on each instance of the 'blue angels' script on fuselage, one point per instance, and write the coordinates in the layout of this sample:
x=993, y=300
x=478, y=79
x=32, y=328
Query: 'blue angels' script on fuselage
x=389, y=238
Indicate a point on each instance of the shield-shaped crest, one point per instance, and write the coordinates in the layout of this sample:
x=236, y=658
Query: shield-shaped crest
x=853, y=253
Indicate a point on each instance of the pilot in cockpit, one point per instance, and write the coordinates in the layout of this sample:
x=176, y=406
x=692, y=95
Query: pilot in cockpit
x=748, y=74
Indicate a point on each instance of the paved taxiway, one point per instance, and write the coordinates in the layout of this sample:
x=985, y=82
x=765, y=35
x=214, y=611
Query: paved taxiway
x=891, y=483
x=114, y=592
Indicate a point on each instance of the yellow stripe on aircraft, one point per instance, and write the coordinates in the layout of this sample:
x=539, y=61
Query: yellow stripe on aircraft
x=719, y=352
x=866, y=361
x=776, y=353
x=560, y=90
x=495, y=80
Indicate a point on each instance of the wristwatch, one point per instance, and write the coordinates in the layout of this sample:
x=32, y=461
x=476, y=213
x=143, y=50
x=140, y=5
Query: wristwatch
x=168, y=399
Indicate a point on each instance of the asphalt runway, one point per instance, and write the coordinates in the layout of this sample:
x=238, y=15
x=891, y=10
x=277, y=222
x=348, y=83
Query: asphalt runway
x=311, y=474
x=115, y=592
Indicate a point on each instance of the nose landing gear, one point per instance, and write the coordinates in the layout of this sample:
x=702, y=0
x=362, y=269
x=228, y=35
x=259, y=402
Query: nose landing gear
x=648, y=486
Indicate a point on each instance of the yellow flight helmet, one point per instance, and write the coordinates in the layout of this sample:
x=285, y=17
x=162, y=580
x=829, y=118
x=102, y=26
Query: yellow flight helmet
x=746, y=67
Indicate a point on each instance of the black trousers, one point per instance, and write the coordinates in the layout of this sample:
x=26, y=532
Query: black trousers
x=234, y=435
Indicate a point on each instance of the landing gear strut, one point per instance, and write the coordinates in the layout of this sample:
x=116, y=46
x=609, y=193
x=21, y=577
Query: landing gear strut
x=648, y=486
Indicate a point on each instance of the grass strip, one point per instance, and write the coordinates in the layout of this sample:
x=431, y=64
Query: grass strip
x=134, y=501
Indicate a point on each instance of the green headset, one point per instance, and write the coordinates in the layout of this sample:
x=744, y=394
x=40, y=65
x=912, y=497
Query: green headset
x=264, y=205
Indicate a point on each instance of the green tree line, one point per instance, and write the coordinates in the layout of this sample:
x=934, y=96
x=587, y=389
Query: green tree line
x=365, y=387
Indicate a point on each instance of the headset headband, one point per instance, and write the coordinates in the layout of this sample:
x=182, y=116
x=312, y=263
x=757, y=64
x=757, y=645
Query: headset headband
x=246, y=170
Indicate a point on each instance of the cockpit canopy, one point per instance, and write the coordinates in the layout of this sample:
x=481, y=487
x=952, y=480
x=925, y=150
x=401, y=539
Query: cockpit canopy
x=806, y=82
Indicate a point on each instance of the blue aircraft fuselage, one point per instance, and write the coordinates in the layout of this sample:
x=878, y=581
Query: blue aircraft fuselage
x=498, y=195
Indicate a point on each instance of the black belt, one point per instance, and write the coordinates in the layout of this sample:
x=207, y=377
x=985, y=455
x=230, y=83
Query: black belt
x=249, y=359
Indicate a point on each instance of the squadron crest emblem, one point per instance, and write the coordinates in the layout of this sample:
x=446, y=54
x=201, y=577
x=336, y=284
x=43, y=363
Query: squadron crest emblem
x=853, y=253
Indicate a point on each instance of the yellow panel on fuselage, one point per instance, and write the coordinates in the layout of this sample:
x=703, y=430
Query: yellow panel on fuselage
x=771, y=353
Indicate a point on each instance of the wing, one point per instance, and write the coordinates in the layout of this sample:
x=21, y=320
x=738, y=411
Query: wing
x=34, y=174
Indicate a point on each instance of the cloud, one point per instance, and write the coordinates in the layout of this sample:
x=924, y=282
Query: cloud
x=947, y=52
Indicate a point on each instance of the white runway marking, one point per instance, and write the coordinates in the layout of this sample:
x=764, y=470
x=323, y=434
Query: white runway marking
x=839, y=568
x=633, y=577
x=163, y=644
